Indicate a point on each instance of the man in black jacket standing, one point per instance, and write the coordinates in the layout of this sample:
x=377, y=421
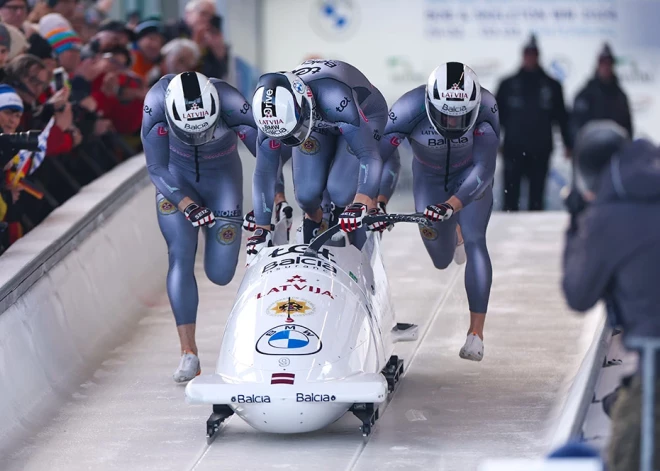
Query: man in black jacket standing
x=530, y=102
x=602, y=97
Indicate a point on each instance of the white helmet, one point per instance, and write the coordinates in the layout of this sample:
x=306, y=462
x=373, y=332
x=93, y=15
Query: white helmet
x=283, y=108
x=453, y=96
x=192, y=107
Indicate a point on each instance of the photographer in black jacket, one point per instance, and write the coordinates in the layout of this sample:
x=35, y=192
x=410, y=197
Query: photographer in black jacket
x=613, y=253
x=530, y=102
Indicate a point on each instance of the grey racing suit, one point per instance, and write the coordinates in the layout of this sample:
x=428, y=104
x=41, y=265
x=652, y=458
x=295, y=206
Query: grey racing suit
x=212, y=176
x=342, y=152
x=463, y=167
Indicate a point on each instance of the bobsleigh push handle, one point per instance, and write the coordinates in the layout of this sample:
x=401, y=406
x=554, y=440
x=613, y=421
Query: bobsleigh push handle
x=323, y=238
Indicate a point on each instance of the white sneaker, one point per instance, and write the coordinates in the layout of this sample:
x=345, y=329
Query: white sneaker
x=473, y=348
x=188, y=368
x=459, y=254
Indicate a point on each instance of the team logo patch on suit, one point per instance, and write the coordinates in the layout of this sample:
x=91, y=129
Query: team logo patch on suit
x=428, y=233
x=165, y=207
x=227, y=234
x=289, y=339
x=289, y=307
x=311, y=146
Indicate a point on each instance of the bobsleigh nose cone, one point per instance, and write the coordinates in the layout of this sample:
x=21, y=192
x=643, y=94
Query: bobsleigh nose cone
x=291, y=417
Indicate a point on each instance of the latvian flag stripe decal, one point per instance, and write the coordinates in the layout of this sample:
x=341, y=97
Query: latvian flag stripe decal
x=282, y=378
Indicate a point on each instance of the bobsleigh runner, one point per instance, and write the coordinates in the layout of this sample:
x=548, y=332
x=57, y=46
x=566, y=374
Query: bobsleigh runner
x=310, y=337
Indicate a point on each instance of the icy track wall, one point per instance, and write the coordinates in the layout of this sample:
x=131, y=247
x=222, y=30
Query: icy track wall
x=71, y=289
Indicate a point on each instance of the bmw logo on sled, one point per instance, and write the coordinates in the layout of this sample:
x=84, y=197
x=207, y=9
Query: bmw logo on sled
x=310, y=336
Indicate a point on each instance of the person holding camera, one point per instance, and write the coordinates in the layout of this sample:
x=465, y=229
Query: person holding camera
x=613, y=253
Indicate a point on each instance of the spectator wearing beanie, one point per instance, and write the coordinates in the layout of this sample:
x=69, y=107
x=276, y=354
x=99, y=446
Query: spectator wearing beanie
x=149, y=39
x=41, y=48
x=113, y=33
x=63, y=39
x=11, y=109
x=29, y=77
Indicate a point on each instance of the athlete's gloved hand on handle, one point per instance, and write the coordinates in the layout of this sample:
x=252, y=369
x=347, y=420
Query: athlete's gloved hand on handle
x=260, y=239
x=249, y=221
x=438, y=212
x=351, y=219
x=199, y=215
x=378, y=226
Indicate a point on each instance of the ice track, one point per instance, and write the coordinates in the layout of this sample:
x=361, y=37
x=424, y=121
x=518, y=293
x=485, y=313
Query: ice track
x=447, y=413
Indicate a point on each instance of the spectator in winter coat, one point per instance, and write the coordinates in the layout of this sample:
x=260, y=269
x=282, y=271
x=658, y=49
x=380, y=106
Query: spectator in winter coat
x=529, y=102
x=602, y=97
x=120, y=93
x=29, y=76
x=202, y=24
x=11, y=109
x=613, y=253
x=14, y=13
x=149, y=39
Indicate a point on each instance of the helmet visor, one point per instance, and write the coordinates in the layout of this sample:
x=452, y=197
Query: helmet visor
x=303, y=128
x=453, y=120
x=193, y=134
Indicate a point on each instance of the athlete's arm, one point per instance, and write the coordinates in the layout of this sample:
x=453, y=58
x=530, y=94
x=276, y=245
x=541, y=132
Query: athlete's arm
x=265, y=179
x=486, y=141
x=155, y=141
x=484, y=155
x=389, y=177
x=237, y=113
x=340, y=106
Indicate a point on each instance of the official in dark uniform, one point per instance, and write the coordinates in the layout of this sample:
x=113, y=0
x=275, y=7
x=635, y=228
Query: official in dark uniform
x=602, y=97
x=530, y=102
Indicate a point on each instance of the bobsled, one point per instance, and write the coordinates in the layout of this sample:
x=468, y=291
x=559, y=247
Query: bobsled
x=310, y=337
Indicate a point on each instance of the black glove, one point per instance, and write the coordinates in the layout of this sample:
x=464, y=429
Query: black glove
x=574, y=202
x=260, y=239
x=199, y=215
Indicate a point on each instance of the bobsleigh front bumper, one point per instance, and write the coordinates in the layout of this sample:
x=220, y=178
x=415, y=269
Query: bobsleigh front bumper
x=359, y=388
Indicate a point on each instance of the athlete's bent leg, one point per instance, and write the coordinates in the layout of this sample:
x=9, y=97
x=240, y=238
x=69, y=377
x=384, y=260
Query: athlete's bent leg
x=311, y=162
x=440, y=238
x=223, y=193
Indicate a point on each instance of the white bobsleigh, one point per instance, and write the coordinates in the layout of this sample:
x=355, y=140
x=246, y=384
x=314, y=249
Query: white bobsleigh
x=310, y=337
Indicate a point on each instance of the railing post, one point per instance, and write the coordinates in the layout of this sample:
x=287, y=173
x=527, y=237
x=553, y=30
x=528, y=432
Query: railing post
x=648, y=347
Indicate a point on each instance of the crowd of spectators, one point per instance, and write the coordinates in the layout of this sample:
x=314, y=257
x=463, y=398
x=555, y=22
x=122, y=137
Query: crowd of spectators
x=79, y=78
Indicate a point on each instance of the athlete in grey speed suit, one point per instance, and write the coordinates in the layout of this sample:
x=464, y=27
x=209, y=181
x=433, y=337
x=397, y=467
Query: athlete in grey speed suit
x=453, y=173
x=199, y=180
x=322, y=108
